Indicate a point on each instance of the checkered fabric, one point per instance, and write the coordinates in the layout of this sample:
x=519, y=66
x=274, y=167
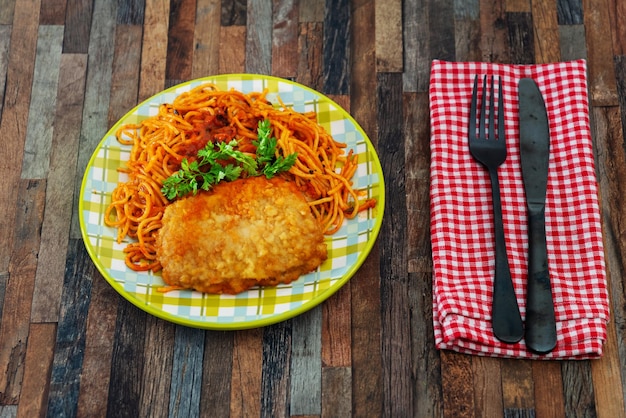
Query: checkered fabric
x=461, y=213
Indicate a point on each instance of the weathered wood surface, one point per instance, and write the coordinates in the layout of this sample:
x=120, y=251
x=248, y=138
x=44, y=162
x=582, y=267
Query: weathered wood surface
x=71, y=346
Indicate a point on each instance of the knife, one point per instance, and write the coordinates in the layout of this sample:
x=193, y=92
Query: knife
x=540, y=333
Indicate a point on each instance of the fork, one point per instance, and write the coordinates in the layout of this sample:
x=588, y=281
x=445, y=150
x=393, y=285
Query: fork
x=490, y=150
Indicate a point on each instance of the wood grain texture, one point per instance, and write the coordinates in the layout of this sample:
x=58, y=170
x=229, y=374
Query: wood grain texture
x=71, y=346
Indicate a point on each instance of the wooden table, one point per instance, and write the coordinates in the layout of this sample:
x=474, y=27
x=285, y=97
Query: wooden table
x=71, y=346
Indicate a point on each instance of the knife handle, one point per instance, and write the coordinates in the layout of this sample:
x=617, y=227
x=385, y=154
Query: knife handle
x=506, y=319
x=540, y=319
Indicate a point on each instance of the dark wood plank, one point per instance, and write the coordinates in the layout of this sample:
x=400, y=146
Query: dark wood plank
x=548, y=385
x=233, y=13
x=127, y=365
x=467, y=30
x=15, y=324
x=37, y=369
x=458, y=392
x=78, y=19
x=309, y=71
x=517, y=385
x=570, y=12
x=99, y=340
x=52, y=12
x=617, y=10
x=217, y=369
x=389, y=54
x=7, y=9
x=258, y=50
x=5, y=41
x=285, y=38
x=521, y=37
x=494, y=39
x=441, y=30
x=125, y=73
x=488, y=382
x=277, y=368
x=336, y=70
x=61, y=175
x=206, y=38
x=336, y=335
x=130, y=12
x=336, y=397
x=572, y=41
x=159, y=354
x=416, y=43
x=70, y=340
x=232, y=56
x=180, y=40
x=578, y=389
x=186, y=385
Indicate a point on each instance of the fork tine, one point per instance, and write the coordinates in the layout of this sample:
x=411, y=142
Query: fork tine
x=491, y=126
x=500, y=111
x=472, y=117
x=483, y=110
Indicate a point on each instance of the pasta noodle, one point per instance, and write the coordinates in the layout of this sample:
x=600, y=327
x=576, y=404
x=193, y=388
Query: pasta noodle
x=322, y=170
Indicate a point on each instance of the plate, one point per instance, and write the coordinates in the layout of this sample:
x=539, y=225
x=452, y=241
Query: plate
x=259, y=306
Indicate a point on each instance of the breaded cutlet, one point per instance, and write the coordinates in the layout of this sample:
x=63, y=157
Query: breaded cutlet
x=248, y=232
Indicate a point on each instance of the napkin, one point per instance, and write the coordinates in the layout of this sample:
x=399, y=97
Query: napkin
x=462, y=223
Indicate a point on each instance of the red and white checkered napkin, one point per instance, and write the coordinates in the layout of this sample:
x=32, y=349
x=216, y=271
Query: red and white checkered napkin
x=461, y=213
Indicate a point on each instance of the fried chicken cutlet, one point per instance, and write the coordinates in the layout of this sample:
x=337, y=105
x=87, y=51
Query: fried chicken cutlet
x=243, y=233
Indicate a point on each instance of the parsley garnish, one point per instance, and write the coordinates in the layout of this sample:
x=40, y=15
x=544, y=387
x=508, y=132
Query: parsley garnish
x=222, y=161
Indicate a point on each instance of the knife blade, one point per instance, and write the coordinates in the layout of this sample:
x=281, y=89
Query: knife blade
x=540, y=332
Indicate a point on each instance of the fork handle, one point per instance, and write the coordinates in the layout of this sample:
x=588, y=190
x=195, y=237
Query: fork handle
x=540, y=319
x=505, y=315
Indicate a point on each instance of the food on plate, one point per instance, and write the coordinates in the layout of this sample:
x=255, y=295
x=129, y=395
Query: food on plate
x=207, y=137
x=243, y=233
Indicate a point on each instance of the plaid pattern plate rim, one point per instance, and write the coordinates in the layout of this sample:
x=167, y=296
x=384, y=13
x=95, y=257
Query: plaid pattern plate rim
x=260, y=306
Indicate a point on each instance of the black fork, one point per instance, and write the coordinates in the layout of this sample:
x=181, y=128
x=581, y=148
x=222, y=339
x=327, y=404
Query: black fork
x=490, y=150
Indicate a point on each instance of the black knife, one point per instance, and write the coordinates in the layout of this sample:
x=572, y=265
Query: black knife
x=540, y=334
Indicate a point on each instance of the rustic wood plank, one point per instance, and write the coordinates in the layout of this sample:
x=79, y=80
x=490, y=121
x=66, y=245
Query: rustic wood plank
x=259, y=37
x=206, y=38
x=488, y=381
x=52, y=12
x=572, y=39
x=617, y=10
x=97, y=92
x=37, y=369
x=277, y=369
x=311, y=11
x=336, y=70
x=17, y=92
x=233, y=13
x=130, y=12
x=78, y=20
x=99, y=337
x=337, y=396
x=158, y=353
x=125, y=74
x=61, y=175
x=5, y=40
x=285, y=38
x=70, y=340
x=388, y=30
x=217, y=368
x=569, y=12
x=306, y=363
x=153, y=48
x=19, y=289
x=467, y=30
x=548, y=386
x=232, y=57
x=41, y=112
x=546, y=32
x=521, y=38
x=578, y=389
x=396, y=329
x=309, y=71
x=494, y=38
x=518, y=5
x=517, y=385
x=127, y=367
x=180, y=40
x=186, y=383
x=7, y=9
x=416, y=74
x=607, y=382
x=246, y=373
x=441, y=31
x=602, y=85
x=336, y=336
x=458, y=395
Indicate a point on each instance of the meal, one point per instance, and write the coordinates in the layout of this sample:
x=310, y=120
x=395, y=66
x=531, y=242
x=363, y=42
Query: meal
x=262, y=230
x=191, y=151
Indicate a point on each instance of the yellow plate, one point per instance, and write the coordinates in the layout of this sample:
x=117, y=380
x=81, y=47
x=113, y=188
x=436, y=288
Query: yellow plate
x=259, y=306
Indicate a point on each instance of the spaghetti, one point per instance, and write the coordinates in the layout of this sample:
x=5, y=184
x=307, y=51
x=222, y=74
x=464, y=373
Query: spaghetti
x=159, y=144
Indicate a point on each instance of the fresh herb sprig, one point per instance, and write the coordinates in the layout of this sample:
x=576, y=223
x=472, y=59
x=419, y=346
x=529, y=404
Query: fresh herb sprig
x=210, y=167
